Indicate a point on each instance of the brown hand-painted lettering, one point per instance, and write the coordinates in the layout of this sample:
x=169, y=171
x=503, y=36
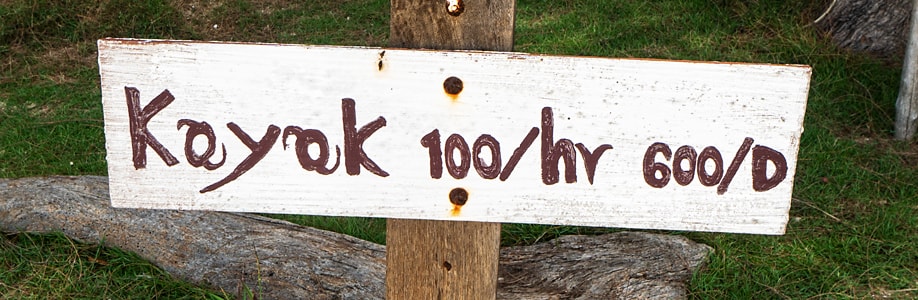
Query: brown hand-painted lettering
x=710, y=153
x=456, y=142
x=687, y=153
x=431, y=141
x=553, y=152
x=760, y=157
x=518, y=153
x=259, y=150
x=735, y=165
x=651, y=167
x=590, y=159
x=140, y=136
x=312, y=136
x=487, y=171
x=196, y=128
x=354, y=155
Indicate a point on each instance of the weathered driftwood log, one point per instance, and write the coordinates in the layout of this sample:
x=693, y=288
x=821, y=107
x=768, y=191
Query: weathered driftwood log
x=878, y=27
x=624, y=265
x=281, y=260
x=228, y=251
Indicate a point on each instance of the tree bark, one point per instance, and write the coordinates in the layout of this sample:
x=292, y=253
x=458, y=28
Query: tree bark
x=878, y=27
x=280, y=260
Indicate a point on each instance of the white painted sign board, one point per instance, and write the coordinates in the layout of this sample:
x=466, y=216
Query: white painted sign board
x=348, y=131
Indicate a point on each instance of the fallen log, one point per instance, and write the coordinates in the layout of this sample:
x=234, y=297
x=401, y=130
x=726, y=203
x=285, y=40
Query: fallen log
x=280, y=260
x=225, y=250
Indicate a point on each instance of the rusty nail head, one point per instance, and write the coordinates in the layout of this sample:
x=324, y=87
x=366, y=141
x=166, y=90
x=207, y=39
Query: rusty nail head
x=454, y=7
x=452, y=85
x=458, y=196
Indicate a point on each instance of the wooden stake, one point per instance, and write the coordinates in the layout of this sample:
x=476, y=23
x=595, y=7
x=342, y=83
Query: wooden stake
x=476, y=25
x=444, y=259
x=907, y=103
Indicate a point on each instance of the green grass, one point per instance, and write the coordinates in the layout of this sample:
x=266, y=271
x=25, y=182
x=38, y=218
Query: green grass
x=369, y=229
x=51, y=266
x=854, y=220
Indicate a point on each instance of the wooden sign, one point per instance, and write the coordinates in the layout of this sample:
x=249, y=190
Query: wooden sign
x=451, y=135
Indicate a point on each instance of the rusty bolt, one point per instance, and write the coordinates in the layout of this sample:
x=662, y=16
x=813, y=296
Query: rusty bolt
x=452, y=85
x=454, y=7
x=458, y=196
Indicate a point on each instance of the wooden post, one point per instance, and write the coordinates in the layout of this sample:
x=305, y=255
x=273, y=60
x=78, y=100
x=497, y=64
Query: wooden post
x=907, y=103
x=445, y=259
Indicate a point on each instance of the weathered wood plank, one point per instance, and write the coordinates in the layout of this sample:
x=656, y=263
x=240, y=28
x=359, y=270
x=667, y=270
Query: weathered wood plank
x=431, y=259
x=907, y=103
x=527, y=102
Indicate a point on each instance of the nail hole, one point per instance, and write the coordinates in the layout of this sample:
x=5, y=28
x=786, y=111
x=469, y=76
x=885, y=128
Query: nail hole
x=452, y=85
x=447, y=265
x=458, y=196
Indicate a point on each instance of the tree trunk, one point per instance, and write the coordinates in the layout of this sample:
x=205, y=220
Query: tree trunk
x=281, y=260
x=878, y=27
